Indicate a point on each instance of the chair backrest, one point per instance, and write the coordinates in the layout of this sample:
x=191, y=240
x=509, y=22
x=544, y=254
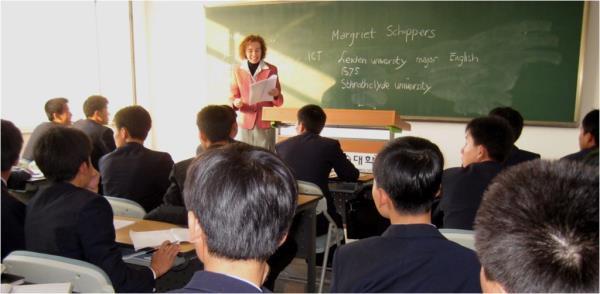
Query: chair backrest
x=125, y=207
x=466, y=238
x=40, y=268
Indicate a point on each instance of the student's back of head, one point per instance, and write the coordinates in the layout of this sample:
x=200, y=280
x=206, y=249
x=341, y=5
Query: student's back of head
x=216, y=122
x=57, y=110
x=136, y=120
x=312, y=117
x=589, y=130
x=537, y=229
x=12, y=142
x=493, y=133
x=60, y=152
x=513, y=117
x=244, y=199
x=409, y=170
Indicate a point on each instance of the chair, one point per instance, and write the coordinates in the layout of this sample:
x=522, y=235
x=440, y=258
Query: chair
x=466, y=238
x=40, y=268
x=125, y=207
x=334, y=234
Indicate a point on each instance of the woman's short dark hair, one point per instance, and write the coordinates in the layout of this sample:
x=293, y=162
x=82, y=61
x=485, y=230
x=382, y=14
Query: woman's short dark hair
x=312, y=118
x=55, y=105
x=136, y=120
x=249, y=39
x=216, y=121
x=409, y=170
x=244, y=198
x=494, y=134
x=60, y=151
x=94, y=103
x=12, y=142
x=536, y=230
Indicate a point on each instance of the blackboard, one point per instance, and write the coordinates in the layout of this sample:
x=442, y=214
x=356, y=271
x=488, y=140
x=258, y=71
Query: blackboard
x=426, y=60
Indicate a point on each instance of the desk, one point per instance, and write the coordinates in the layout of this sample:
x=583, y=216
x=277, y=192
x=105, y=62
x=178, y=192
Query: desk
x=306, y=211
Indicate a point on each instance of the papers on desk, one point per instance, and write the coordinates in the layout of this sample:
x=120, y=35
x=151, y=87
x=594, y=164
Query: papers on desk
x=156, y=238
x=259, y=91
x=119, y=224
x=38, y=288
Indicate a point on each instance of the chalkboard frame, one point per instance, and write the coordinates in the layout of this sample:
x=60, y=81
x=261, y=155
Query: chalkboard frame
x=578, y=88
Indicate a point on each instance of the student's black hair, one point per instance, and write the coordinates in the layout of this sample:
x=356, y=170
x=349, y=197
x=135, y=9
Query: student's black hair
x=494, y=134
x=513, y=117
x=536, y=230
x=135, y=119
x=216, y=121
x=55, y=105
x=244, y=198
x=94, y=103
x=312, y=117
x=12, y=141
x=60, y=151
x=590, y=124
x=409, y=170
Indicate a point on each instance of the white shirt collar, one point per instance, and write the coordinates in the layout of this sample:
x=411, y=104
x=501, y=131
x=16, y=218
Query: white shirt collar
x=262, y=65
x=244, y=280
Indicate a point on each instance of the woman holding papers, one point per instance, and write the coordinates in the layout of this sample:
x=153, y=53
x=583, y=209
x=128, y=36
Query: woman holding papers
x=255, y=85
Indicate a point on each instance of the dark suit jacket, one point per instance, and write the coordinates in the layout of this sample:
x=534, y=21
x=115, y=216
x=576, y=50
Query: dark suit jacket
x=405, y=258
x=72, y=222
x=172, y=210
x=311, y=158
x=35, y=136
x=462, y=190
x=136, y=173
x=588, y=156
x=101, y=136
x=13, y=220
x=517, y=156
x=210, y=282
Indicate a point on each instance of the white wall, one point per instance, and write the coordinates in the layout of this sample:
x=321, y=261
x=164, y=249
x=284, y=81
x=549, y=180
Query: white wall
x=178, y=69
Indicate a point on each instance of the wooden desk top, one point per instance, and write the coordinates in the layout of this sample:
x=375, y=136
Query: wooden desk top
x=142, y=225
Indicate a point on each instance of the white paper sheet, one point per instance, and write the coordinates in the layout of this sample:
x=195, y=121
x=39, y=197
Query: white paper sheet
x=40, y=288
x=259, y=91
x=156, y=238
x=119, y=224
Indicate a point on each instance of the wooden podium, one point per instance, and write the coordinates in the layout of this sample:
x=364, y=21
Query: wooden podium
x=370, y=119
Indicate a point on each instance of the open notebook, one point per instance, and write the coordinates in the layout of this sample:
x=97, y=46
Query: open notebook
x=37, y=288
x=156, y=238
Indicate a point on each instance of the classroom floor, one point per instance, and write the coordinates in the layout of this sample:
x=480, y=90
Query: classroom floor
x=293, y=278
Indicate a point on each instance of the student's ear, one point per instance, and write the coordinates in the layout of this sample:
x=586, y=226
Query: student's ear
x=482, y=152
x=203, y=138
x=234, y=130
x=489, y=286
x=382, y=201
x=196, y=235
x=283, y=239
x=300, y=128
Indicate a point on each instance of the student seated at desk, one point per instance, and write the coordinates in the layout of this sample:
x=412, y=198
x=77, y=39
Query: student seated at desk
x=411, y=255
x=132, y=171
x=311, y=158
x=537, y=229
x=241, y=201
x=67, y=219
x=488, y=141
x=515, y=121
x=588, y=140
x=95, y=109
x=217, y=126
x=57, y=110
x=13, y=210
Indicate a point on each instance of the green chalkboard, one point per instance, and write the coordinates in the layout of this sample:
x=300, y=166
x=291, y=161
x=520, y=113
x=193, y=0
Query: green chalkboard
x=428, y=60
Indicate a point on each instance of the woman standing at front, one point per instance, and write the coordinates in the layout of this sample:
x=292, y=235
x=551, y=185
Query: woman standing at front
x=253, y=68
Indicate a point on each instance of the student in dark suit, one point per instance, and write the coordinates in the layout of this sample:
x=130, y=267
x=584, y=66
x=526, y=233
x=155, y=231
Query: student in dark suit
x=13, y=211
x=588, y=140
x=311, y=158
x=69, y=220
x=515, y=120
x=488, y=141
x=217, y=126
x=537, y=229
x=57, y=110
x=133, y=171
x=241, y=201
x=411, y=255
x=95, y=109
